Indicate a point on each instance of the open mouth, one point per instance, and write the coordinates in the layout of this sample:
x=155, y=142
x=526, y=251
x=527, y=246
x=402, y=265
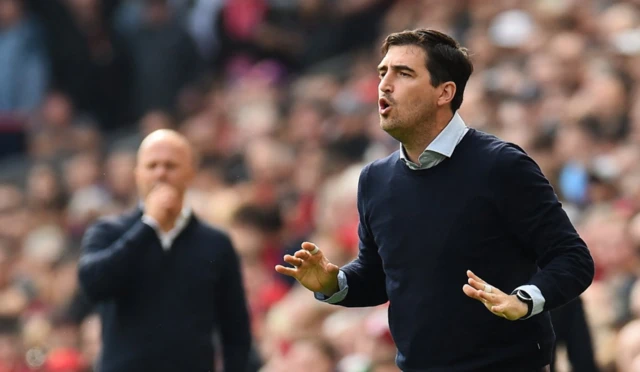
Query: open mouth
x=384, y=106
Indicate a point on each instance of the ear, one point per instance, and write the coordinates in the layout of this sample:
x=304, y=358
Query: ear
x=447, y=92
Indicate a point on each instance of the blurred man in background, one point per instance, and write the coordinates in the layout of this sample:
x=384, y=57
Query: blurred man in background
x=165, y=282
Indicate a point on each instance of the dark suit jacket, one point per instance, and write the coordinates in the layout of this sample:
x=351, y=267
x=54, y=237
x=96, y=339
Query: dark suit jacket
x=160, y=308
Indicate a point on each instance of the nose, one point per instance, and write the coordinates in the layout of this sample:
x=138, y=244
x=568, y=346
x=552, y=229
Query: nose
x=160, y=173
x=385, y=85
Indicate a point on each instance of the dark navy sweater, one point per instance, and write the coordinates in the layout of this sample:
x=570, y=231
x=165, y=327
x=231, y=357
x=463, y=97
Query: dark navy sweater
x=488, y=209
x=160, y=309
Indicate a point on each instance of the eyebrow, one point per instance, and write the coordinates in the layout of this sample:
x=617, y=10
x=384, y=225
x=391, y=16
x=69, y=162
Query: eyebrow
x=397, y=68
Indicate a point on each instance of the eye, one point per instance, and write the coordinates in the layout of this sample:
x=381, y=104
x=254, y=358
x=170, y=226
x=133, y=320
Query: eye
x=404, y=74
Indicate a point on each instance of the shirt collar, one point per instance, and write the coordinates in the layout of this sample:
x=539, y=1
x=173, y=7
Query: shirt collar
x=185, y=213
x=167, y=237
x=183, y=217
x=447, y=139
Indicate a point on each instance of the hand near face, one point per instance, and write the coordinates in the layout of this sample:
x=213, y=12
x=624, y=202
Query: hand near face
x=163, y=204
x=164, y=170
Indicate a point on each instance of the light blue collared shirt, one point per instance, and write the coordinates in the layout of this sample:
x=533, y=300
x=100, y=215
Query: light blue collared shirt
x=441, y=148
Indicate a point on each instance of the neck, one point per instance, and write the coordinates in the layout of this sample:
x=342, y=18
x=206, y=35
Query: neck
x=415, y=145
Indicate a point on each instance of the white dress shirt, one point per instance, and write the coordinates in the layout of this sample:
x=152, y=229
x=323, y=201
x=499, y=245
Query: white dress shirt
x=167, y=237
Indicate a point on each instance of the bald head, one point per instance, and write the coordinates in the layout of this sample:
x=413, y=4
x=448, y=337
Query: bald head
x=164, y=156
x=166, y=137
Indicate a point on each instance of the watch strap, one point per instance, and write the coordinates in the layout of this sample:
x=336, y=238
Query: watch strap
x=526, y=298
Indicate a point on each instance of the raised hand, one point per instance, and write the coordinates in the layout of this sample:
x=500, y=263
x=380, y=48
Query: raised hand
x=496, y=301
x=163, y=204
x=312, y=269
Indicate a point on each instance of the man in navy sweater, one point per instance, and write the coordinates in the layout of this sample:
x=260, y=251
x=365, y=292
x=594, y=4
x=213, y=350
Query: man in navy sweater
x=164, y=281
x=452, y=205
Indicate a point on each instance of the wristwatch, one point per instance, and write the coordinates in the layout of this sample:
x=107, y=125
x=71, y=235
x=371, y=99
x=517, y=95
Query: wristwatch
x=524, y=297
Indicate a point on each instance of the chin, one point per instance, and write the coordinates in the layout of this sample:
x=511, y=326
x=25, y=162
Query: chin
x=395, y=129
x=387, y=124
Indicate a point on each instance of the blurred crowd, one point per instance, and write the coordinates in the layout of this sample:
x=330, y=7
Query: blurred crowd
x=279, y=99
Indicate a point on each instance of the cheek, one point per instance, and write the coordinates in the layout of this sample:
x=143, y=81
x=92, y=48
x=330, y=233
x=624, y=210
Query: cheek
x=177, y=178
x=425, y=102
x=145, y=180
x=146, y=177
x=413, y=106
x=415, y=99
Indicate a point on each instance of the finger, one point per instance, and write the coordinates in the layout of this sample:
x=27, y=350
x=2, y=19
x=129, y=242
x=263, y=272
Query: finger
x=491, y=297
x=497, y=291
x=161, y=187
x=158, y=185
x=170, y=192
x=292, y=260
x=483, y=287
x=476, y=284
x=473, y=276
x=288, y=271
x=471, y=292
x=168, y=201
x=302, y=254
x=308, y=246
x=152, y=192
x=153, y=189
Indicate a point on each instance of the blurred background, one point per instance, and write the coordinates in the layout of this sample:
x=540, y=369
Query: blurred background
x=279, y=99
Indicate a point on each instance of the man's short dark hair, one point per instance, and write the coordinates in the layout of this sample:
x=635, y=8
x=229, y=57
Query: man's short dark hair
x=446, y=59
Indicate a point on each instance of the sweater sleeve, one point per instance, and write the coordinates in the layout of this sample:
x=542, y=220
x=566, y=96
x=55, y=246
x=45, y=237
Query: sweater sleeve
x=105, y=267
x=365, y=275
x=534, y=215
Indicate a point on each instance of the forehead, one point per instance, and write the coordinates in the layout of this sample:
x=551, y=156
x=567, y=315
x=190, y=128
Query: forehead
x=406, y=55
x=165, y=149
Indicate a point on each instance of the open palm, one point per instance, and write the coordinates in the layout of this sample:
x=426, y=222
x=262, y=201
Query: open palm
x=313, y=271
